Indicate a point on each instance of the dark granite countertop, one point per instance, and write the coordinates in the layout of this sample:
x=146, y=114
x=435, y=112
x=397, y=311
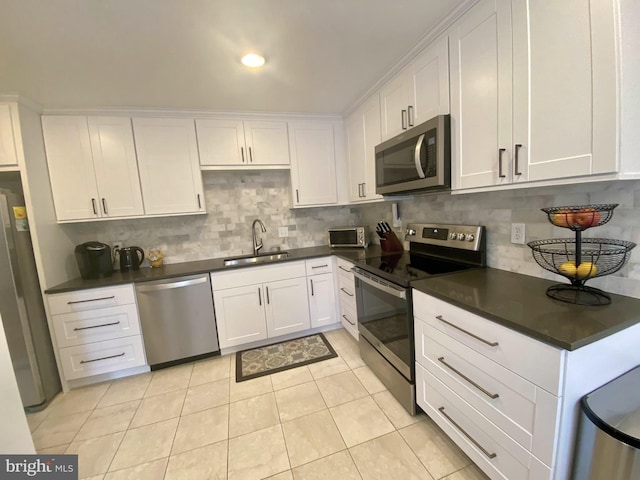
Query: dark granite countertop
x=205, y=266
x=520, y=303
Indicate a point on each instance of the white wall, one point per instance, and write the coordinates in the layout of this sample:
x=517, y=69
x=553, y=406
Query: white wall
x=15, y=437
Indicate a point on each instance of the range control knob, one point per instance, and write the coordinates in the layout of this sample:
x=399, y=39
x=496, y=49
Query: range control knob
x=461, y=236
x=470, y=237
x=453, y=236
x=411, y=231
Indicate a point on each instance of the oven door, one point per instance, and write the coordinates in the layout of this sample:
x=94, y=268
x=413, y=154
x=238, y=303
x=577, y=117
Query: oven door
x=385, y=319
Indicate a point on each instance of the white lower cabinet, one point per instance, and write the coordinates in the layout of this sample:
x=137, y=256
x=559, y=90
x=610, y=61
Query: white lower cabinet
x=347, y=297
x=255, y=303
x=97, y=331
x=321, y=286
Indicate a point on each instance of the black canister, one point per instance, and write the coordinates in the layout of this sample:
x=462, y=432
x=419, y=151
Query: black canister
x=94, y=260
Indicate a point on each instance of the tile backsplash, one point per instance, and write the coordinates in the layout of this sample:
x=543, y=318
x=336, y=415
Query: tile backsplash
x=235, y=199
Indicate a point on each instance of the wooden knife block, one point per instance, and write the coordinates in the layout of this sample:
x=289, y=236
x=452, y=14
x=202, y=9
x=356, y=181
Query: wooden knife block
x=391, y=243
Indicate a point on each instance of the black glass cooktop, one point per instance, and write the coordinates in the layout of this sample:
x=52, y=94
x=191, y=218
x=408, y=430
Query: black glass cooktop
x=405, y=267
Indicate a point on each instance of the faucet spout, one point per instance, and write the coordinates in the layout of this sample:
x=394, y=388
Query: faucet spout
x=257, y=243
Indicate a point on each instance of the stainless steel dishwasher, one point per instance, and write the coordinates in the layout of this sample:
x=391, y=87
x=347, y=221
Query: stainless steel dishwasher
x=177, y=319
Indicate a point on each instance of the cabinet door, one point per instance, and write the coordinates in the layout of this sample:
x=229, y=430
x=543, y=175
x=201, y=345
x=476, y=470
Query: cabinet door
x=116, y=167
x=267, y=142
x=73, y=180
x=313, y=163
x=430, y=82
x=481, y=95
x=554, y=89
x=169, y=165
x=322, y=299
x=287, y=306
x=8, y=155
x=240, y=315
x=354, y=129
x=221, y=142
x=372, y=137
x=394, y=104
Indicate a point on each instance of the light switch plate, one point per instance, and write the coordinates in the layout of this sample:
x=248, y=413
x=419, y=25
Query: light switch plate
x=517, y=233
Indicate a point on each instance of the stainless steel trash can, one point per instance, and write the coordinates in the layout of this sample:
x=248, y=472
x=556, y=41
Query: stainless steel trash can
x=608, y=442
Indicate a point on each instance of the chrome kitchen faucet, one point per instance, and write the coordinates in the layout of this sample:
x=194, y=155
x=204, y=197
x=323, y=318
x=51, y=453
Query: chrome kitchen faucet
x=257, y=244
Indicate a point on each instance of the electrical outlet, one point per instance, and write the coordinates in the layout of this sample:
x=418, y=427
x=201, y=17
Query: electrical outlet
x=116, y=245
x=283, y=232
x=517, y=233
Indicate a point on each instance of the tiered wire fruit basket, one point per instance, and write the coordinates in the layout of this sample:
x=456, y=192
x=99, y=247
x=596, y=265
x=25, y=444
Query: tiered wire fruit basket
x=580, y=259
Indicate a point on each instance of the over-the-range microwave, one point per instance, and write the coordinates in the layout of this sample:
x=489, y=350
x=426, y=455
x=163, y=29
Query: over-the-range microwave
x=416, y=160
x=348, y=237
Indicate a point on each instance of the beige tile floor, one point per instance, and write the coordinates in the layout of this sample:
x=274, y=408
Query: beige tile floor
x=329, y=420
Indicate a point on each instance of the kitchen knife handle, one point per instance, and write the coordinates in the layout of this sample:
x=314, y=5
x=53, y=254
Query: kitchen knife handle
x=516, y=166
x=93, y=204
x=500, y=152
x=242, y=153
x=403, y=116
x=410, y=115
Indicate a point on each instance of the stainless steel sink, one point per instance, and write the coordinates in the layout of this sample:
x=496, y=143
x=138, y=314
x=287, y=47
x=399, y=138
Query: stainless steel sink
x=264, y=258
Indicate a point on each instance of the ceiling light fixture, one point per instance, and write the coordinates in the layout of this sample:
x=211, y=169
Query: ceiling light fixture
x=253, y=60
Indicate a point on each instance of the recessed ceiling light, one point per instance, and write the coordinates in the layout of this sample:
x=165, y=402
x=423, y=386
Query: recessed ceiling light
x=253, y=60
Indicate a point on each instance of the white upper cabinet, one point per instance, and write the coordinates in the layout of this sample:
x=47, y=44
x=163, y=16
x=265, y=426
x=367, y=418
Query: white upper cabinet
x=531, y=97
x=8, y=155
x=313, y=163
x=92, y=167
x=169, y=165
x=233, y=143
x=362, y=129
x=418, y=93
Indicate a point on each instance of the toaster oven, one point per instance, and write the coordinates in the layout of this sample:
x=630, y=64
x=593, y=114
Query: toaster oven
x=348, y=237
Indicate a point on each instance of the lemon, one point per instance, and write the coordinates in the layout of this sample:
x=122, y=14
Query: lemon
x=568, y=269
x=586, y=270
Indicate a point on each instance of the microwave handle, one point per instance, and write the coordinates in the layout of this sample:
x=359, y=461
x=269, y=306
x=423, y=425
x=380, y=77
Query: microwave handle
x=421, y=173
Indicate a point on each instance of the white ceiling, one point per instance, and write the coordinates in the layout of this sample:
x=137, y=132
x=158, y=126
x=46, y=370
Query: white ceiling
x=322, y=55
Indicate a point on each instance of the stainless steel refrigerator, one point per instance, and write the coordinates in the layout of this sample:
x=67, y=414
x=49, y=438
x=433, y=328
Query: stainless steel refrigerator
x=22, y=309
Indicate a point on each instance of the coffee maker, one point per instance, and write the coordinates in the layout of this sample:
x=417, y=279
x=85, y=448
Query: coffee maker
x=94, y=260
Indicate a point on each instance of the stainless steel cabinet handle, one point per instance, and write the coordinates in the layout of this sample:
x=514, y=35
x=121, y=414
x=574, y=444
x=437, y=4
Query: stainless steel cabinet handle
x=347, y=319
x=344, y=269
x=516, y=166
x=168, y=286
x=199, y=204
x=500, y=152
x=410, y=115
x=359, y=190
x=486, y=392
x=311, y=280
x=91, y=300
x=346, y=291
x=77, y=329
x=104, y=206
x=491, y=344
x=471, y=439
x=321, y=266
x=419, y=143
x=250, y=155
x=103, y=358
x=403, y=115
x=267, y=290
x=259, y=297
x=242, y=153
x=364, y=191
x=297, y=196
x=93, y=204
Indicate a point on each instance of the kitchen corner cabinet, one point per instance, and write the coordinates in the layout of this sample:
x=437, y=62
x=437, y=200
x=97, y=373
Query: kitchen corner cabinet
x=256, y=303
x=243, y=143
x=92, y=167
x=362, y=129
x=417, y=93
x=545, y=108
x=321, y=288
x=169, y=165
x=8, y=153
x=313, y=163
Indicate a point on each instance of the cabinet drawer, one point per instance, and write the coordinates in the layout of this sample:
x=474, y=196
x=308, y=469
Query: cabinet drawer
x=487, y=445
x=521, y=409
x=319, y=265
x=102, y=357
x=346, y=291
x=529, y=358
x=349, y=319
x=80, y=300
x=344, y=267
x=96, y=325
x=243, y=277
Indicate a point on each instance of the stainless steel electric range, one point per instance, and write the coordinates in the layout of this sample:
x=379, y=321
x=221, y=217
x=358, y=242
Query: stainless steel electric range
x=384, y=302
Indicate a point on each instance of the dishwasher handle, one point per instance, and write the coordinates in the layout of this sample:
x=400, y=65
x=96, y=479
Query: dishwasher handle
x=167, y=286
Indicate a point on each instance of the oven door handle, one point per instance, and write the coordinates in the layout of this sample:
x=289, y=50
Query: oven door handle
x=419, y=143
x=385, y=287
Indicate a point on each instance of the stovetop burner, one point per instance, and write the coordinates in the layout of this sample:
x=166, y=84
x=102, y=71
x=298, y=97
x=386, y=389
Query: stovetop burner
x=434, y=250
